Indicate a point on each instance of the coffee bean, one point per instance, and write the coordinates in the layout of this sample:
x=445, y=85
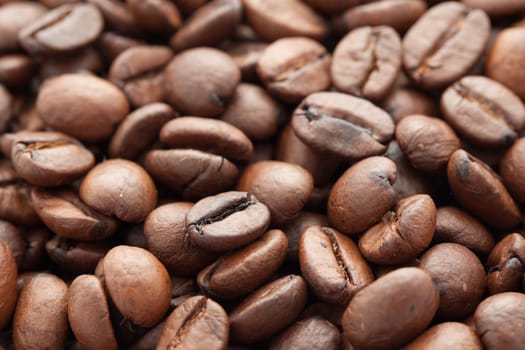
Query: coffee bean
x=150, y=339
x=444, y=44
x=402, y=234
x=512, y=163
x=312, y=333
x=8, y=291
x=14, y=17
x=112, y=44
x=332, y=265
x=293, y=68
x=345, y=126
x=448, y=335
x=199, y=323
x=155, y=16
x=403, y=102
x=483, y=111
x=392, y=310
x=367, y=62
x=295, y=229
x=478, y=189
x=245, y=55
x=6, y=105
x=362, y=195
x=16, y=71
x=505, y=265
x=84, y=60
x=226, y=221
x=501, y=8
x=118, y=16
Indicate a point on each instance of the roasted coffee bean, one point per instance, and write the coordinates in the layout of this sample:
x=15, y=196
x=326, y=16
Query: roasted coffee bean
x=112, y=44
x=403, y=102
x=83, y=106
x=459, y=276
x=483, y=111
x=208, y=25
x=40, y=320
x=201, y=81
x=392, y=310
x=249, y=267
x=139, y=71
x=367, y=62
x=199, y=323
x=345, y=126
x=402, y=234
x=13, y=18
x=512, y=164
x=332, y=265
x=8, y=282
x=478, y=189
x=313, y=333
x=154, y=15
x=65, y=28
x=444, y=44
x=505, y=265
x=150, y=339
x=139, y=130
x=15, y=200
x=167, y=239
x=6, y=106
x=196, y=175
x=209, y=135
x=268, y=310
x=275, y=19
x=226, y=221
x=501, y=8
x=362, y=195
x=448, y=335
x=121, y=188
x=85, y=60
x=499, y=321
x=293, y=68
x=245, y=55
x=295, y=229
x=13, y=237
x=118, y=16
x=16, y=71
x=427, y=142
x=293, y=184
x=456, y=226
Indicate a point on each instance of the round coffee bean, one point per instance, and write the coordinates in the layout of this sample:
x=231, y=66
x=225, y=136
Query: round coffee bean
x=392, y=310
x=444, y=44
x=314, y=333
x=226, y=221
x=459, y=276
x=367, y=62
x=332, y=265
x=448, y=335
x=362, y=195
x=201, y=81
x=293, y=68
x=8, y=282
x=345, y=126
x=402, y=234
x=403, y=102
x=512, y=164
x=498, y=321
x=121, y=188
x=83, y=106
x=14, y=16
x=154, y=15
x=483, y=111
x=505, y=265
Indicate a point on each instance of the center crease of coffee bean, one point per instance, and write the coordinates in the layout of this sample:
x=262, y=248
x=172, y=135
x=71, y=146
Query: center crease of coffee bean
x=483, y=103
x=338, y=257
x=58, y=19
x=197, y=311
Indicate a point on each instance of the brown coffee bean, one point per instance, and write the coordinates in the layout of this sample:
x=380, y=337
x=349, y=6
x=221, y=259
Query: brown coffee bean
x=113, y=44
x=459, y=276
x=367, y=62
x=295, y=228
x=456, y=226
x=121, y=188
x=139, y=71
x=83, y=106
x=88, y=314
x=402, y=234
x=249, y=267
x=208, y=25
x=398, y=14
x=16, y=71
x=427, y=142
x=444, y=44
x=150, y=339
x=65, y=28
x=40, y=320
x=154, y=15
x=403, y=102
x=209, y=135
x=6, y=108
x=512, y=164
x=499, y=9
x=362, y=195
x=13, y=237
x=483, y=111
x=448, y=335
x=201, y=82
x=197, y=174
x=392, y=310
x=313, y=333
x=226, y=221
x=332, y=265
x=13, y=18
x=268, y=310
x=138, y=284
x=51, y=162
x=118, y=16
x=199, y=323
x=498, y=321
x=139, y=130
x=8, y=282
x=267, y=178
x=345, y=126
x=293, y=68
x=275, y=19
x=85, y=60
x=245, y=55
x=478, y=189
x=505, y=265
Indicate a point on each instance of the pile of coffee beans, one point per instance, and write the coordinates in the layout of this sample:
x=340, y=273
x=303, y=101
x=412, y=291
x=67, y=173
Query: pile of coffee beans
x=262, y=174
